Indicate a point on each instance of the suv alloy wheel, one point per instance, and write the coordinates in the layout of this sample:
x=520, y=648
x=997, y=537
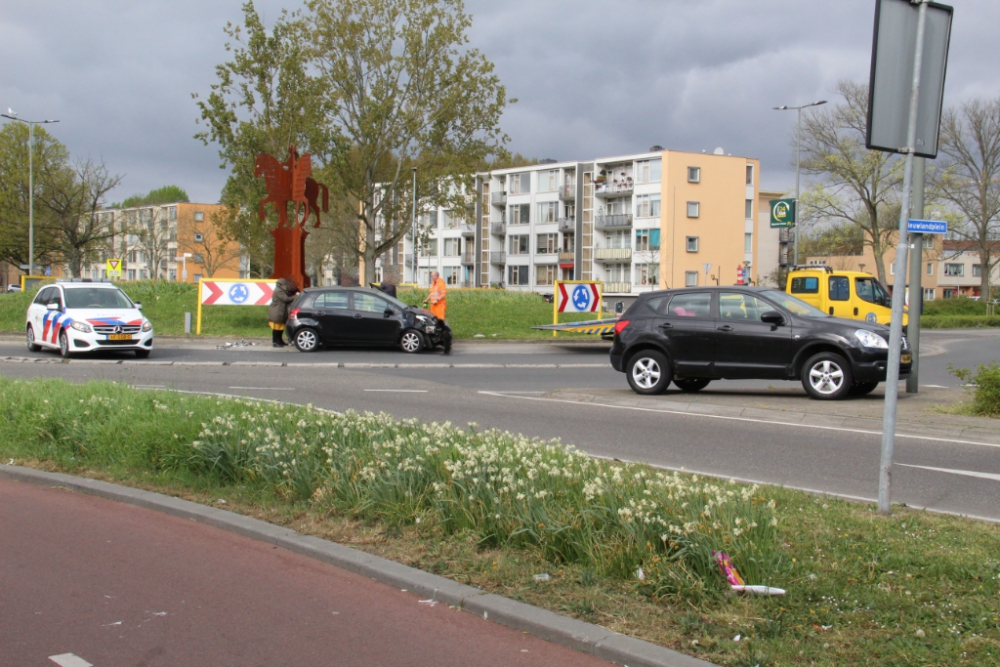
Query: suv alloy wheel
x=649, y=372
x=827, y=375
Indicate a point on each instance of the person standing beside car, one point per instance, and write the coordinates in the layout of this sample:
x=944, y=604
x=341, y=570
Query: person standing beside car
x=438, y=296
x=285, y=291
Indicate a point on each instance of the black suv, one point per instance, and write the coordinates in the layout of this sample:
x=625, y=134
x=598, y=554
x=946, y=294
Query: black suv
x=355, y=316
x=696, y=335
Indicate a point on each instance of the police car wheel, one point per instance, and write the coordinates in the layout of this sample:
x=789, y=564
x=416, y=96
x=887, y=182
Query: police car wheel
x=63, y=345
x=30, y=335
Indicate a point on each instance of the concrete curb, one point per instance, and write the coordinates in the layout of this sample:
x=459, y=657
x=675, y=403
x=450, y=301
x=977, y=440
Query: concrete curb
x=584, y=637
x=284, y=364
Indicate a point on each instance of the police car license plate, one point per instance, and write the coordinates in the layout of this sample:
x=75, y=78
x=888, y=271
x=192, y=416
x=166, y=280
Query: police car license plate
x=906, y=358
x=120, y=337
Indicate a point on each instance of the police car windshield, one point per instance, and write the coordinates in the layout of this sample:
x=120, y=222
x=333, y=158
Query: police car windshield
x=94, y=297
x=793, y=305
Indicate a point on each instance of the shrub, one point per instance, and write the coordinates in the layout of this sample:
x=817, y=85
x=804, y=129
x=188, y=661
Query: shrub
x=986, y=398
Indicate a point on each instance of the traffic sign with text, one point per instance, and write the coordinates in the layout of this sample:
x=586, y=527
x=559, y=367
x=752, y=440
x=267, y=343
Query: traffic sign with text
x=927, y=227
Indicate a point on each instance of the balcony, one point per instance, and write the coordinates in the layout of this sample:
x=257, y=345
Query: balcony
x=612, y=189
x=468, y=257
x=567, y=193
x=498, y=257
x=617, y=288
x=498, y=228
x=567, y=257
x=616, y=221
x=567, y=225
x=499, y=199
x=546, y=257
x=612, y=254
x=469, y=231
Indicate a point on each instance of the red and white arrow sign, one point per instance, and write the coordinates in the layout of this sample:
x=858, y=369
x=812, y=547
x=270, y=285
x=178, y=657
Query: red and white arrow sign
x=236, y=292
x=578, y=297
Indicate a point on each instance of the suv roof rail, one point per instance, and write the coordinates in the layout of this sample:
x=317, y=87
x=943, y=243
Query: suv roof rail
x=816, y=267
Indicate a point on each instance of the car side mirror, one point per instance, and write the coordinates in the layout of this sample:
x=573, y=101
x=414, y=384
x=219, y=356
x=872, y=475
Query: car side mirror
x=772, y=317
x=138, y=305
x=389, y=312
x=52, y=306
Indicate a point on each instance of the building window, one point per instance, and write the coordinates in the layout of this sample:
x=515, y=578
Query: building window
x=131, y=274
x=749, y=174
x=694, y=209
x=748, y=242
x=649, y=171
x=197, y=277
x=547, y=244
x=452, y=247
x=199, y=237
x=619, y=239
x=519, y=215
x=198, y=259
x=548, y=181
x=547, y=213
x=929, y=293
x=171, y=213
x=950, y=293
x=545, y=275
x=647, y=206
x=431, y=220
x=749, y=209
x=954, y=270
x=199, y=216
x=692, y=244
x=690, y=278
x=694, y=174
x=430, y=248
x=517, y=275
x=647, y=275
x=977, y=270
x=520, y=184
x=618, y=273
x=518, y=244
x=647, y=239
x=930, y=268
x=450, y=275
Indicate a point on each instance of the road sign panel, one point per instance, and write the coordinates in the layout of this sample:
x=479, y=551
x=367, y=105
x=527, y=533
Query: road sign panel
x=578, y=297
x=236, y=292
x=114, y=267
x=782, y=213
x=927, y=227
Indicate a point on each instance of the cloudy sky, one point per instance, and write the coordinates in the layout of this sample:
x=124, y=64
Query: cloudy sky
x=593, y=78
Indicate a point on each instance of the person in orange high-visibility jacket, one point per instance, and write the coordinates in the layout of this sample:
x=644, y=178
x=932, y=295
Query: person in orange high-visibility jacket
x=438, y=296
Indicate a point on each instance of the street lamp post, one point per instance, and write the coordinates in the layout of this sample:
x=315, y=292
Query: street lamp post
x=31, y=181
x=413, y=227
x=184, y=265
x=798, y=161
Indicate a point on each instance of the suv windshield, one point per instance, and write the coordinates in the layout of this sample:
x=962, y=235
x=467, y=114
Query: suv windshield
x=94, y=297
x=793, y=305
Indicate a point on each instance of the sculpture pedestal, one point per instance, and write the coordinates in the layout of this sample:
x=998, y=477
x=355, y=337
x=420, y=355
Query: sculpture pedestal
x=290, y=254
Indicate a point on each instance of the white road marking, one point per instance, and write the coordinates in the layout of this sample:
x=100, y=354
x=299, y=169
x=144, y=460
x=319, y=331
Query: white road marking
x=964, y=473
x=934, y=386
x=149, y=386
x=266, y=388
x=398, y=391
x=69, y=660
x=859, y=431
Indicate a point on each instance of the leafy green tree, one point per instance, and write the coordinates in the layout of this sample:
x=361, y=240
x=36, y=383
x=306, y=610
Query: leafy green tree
x=855, y=185
x=168, y=194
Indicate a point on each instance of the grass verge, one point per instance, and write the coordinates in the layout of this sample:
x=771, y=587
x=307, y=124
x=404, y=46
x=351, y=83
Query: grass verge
x=488, y=313
x=914, y=589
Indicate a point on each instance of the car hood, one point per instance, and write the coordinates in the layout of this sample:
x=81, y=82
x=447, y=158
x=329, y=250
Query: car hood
x=421, y=311
x=107, y=316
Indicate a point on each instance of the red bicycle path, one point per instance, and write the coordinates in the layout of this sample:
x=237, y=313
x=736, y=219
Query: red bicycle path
x=119, y=585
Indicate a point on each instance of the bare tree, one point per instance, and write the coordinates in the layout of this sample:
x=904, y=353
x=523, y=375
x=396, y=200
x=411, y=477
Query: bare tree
x=214, y=251
x=155, y=235
x=969, y=179
x=855, y=185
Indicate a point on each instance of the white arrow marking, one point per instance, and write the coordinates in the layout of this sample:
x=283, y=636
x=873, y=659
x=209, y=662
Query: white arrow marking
x=69, y=660
x=965, y=473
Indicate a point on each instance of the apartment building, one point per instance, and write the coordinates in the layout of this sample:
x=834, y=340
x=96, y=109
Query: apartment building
x=635, y=222
x=176, y=241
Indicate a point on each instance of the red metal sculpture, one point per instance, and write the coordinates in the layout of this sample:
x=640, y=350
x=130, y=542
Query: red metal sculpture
x=290, y=181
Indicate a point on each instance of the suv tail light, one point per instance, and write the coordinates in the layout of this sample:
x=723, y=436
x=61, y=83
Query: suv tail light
x=293, y=313
x=619, y=325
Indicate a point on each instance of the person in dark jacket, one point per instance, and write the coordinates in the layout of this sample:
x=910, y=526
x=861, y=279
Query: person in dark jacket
x=388, y=287
x=285, y=292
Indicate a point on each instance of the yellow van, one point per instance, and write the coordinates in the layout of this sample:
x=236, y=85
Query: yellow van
x=853, y=295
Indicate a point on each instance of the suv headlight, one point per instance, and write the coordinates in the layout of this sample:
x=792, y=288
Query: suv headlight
x=871, y=339
x=147, y=325
x=82, y=326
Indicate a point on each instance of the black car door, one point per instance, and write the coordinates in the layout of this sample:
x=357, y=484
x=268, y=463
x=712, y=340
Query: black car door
x=374, y=320
x=687, y=327
x=332, y=311
x=746, y=347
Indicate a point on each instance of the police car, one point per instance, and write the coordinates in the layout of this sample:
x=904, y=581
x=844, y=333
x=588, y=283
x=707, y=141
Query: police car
x=77, y=317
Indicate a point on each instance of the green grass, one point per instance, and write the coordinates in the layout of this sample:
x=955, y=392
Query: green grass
x=491, y=313
x=952, y=307
x=912, y=589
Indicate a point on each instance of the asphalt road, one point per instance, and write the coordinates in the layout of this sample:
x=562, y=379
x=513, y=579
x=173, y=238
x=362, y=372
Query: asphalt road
x=501, y=387
x=92, y=581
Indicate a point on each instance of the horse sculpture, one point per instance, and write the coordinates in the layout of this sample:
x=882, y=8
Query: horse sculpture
x=290, y=181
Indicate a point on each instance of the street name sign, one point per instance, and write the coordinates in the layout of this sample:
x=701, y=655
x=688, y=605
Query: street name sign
x=927, y=227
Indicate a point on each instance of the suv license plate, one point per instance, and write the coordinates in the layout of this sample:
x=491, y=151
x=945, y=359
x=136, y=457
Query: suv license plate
x=120, y=337
x=906, y=358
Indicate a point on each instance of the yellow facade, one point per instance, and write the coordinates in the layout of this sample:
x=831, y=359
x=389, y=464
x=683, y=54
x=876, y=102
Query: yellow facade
x=220, y=258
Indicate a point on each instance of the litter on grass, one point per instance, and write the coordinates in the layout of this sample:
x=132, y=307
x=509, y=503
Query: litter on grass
x=736, y=581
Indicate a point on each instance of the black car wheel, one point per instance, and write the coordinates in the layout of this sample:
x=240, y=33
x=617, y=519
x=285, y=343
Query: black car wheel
x=648, y=372
x=863, y=388
x=691, y=384
x=63, y=345
x=411, y=341
x=30, y=335
x=306, y=340
x=827, y=376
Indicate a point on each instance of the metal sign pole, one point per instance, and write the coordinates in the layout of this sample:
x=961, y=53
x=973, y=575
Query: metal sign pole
x=916, y=278
x=896, y=322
